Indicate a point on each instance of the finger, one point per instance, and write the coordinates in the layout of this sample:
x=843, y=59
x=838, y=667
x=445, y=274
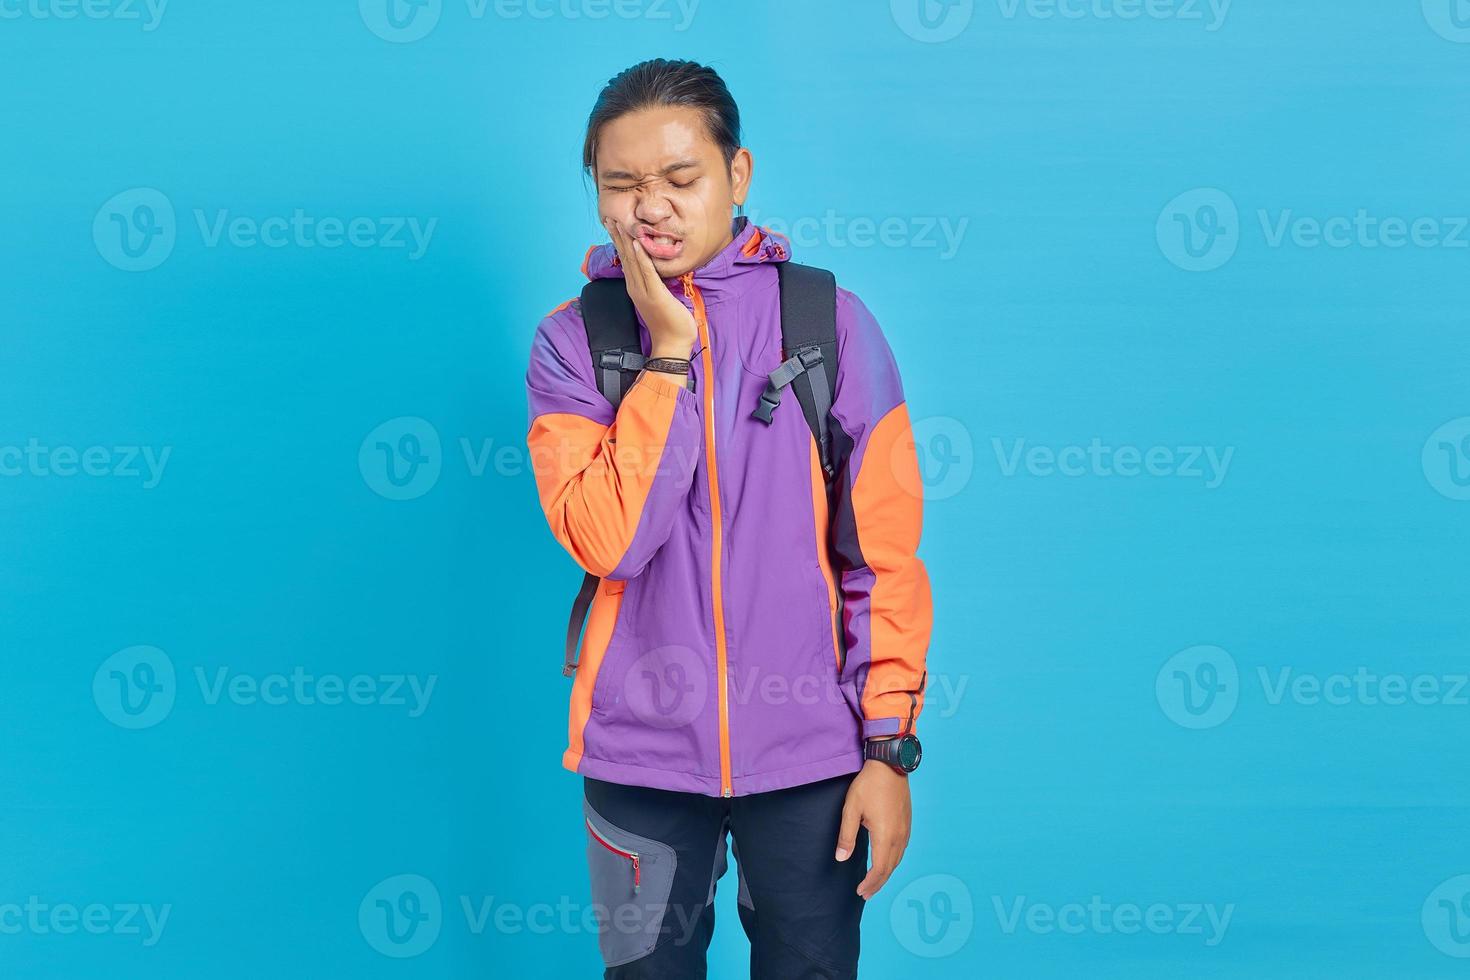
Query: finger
x=637, y=267
x=619, y=240
x=847, y=832
x=885, y=860
x=643, y=265
x=611, y=227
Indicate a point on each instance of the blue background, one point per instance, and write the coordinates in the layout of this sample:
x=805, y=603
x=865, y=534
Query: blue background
x=1074, y=764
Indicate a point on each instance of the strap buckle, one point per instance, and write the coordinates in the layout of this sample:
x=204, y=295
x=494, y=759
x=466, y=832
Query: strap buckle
x=769, y=399
x=799, y=363
x=621, y=360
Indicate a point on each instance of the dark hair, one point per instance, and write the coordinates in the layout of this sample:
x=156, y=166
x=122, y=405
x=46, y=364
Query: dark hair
x=660, y=82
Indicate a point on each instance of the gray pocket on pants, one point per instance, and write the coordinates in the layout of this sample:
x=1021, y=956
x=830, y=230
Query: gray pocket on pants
x=632, y=877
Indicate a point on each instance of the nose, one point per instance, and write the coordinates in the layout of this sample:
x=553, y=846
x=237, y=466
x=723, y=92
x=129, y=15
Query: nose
x=652, y=207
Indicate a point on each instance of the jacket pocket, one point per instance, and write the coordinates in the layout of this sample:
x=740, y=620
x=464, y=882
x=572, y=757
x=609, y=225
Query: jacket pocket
x=617, y=592
x=632, y=878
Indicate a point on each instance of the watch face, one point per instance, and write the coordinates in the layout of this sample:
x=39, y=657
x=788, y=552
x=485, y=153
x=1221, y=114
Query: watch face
x=909, y=753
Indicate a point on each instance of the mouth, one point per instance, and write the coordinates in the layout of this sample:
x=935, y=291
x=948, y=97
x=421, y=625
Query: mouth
x=660, y=245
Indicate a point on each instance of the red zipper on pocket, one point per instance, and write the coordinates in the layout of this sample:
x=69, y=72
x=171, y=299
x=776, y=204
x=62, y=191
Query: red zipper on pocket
x=630, y=855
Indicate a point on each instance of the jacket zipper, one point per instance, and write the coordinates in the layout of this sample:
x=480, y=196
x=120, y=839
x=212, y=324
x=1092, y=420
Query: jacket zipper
x=701, y=320
x=630, y=855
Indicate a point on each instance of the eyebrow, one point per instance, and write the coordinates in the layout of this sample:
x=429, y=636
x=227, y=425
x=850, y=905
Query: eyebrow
x=671, y=168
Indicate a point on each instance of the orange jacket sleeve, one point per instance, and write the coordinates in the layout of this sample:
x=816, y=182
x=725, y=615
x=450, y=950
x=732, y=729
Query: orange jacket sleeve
x=610, y=483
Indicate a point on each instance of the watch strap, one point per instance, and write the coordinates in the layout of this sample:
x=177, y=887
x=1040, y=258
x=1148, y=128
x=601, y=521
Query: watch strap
x=888, y=749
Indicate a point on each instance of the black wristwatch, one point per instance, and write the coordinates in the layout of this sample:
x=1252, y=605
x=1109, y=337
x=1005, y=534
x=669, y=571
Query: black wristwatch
x=902, y=753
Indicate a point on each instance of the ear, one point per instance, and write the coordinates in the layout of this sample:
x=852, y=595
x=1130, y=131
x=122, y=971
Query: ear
x=742, y=169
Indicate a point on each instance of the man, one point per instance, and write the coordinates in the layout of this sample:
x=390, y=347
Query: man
x=754, y=654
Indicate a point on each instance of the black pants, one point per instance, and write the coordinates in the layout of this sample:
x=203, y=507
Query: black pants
x=655, y=856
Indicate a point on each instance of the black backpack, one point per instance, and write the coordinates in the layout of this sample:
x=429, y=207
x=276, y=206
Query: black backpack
x=808, y=367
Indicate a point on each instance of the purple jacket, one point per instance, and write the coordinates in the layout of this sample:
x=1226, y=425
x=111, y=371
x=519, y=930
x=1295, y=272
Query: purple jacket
x=713, y=660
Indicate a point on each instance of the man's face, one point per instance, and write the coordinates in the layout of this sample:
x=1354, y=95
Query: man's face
x=664, y=181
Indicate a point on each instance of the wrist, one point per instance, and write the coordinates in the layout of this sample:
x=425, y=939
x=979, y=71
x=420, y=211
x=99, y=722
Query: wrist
x=678, y=351
x=877, y=766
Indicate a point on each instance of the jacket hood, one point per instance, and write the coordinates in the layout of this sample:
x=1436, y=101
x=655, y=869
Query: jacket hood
x=752, y=246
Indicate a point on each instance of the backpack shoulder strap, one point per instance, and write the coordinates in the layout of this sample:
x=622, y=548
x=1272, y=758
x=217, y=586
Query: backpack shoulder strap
x=613, y=342
x=808, y=349
x=612, y=336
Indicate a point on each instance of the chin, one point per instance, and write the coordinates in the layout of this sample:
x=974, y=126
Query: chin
x=672, y=268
